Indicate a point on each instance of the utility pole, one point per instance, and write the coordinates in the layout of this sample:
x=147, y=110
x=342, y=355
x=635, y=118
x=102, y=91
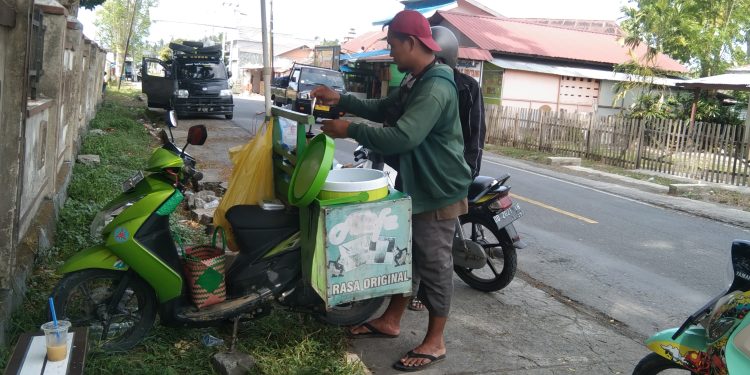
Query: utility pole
x=267, y=57
x=127, y=43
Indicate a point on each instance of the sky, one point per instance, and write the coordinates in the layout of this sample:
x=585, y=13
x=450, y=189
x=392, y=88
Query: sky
x=327, y=19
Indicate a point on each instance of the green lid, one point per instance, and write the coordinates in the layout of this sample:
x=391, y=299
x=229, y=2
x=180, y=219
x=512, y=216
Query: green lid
x=311, y=170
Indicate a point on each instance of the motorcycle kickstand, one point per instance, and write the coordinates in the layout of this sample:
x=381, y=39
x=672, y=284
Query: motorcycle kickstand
x=233, y=345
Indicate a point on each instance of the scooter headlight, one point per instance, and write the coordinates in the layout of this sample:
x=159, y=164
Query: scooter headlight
x=105, y=216
x=183, y=94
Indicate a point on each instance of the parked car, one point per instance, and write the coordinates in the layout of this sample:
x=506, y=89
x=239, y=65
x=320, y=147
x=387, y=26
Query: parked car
x=194, y=81
x=295, y=89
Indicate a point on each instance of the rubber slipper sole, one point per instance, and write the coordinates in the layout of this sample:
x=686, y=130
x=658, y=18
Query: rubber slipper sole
x=411, y=354
x=373, y=333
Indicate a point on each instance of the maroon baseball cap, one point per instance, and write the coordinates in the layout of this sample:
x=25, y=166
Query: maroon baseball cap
x=413, y=23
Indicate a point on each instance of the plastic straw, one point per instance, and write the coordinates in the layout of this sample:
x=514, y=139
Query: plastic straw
x=54, y=315
x=52, y=310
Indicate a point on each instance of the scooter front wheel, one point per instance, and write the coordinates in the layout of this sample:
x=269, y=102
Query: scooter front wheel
x=85, y=298
x=653, y=364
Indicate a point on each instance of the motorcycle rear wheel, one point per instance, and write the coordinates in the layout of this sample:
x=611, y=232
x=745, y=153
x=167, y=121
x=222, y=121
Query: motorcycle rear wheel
x=653, y=364
x=352, y=314
x=499, y=271
x=83, y=297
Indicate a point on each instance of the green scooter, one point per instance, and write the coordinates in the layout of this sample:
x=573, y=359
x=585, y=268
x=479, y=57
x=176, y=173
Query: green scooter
x=118, y=287
x=715, y=340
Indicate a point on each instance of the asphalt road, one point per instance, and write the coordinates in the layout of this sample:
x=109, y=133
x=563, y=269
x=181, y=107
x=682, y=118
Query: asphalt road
x=645, y=266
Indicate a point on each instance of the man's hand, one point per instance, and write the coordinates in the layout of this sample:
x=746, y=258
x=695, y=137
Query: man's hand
x=335, y=128
x=325, y=95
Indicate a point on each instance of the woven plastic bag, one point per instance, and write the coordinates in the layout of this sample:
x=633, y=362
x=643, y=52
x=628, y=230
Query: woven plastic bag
x=252, y=177
x=204, y=267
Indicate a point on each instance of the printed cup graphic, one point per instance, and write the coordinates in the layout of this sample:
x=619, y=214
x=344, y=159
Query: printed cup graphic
x=57, y=340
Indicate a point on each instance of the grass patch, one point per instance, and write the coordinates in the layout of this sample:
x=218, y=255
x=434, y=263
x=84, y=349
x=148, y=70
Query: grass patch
x=282, y=343
x=730, y=198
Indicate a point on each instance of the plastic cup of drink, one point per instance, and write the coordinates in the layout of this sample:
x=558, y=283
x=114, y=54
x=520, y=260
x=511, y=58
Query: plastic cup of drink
x=56, y=339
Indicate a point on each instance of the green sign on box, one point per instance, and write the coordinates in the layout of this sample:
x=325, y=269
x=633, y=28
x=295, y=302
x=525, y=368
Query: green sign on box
x=362, y=250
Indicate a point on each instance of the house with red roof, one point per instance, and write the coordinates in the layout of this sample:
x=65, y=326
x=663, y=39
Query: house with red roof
x=537, y=63
x=550, y=64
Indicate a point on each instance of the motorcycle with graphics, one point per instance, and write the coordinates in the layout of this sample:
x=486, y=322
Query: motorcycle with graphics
x=484, y=247
x=118, y=287
x=715, y=339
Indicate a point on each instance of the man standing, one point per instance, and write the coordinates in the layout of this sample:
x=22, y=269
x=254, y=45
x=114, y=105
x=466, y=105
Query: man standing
x=423, y=131
x=470, y=101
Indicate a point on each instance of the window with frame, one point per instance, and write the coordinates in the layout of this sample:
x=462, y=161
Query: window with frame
x=36, y=52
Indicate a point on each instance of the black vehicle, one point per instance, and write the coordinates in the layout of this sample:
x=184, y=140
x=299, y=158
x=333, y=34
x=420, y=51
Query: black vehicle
x=193, y=82
x=295, y=89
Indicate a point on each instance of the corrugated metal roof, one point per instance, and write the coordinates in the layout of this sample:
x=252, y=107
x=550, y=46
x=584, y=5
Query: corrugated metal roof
x=503, y=35
x=427, y=8
x=469, y=53
x=594, y=26
x=728, y=81
x=571, y=71
x=371, y=40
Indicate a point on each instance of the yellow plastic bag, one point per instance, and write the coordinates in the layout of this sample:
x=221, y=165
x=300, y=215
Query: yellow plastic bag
x=252, y=177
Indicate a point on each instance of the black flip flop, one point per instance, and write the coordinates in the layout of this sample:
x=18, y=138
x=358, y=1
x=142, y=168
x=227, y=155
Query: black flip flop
x=411, y=354
x=373, y=333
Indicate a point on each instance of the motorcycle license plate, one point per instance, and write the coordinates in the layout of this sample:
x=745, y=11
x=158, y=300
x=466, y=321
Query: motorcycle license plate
x=322, y=108
x=508, y=216
x=130, y=183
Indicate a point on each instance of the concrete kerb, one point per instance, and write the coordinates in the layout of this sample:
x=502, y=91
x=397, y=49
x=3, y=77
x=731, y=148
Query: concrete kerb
x=562, y=161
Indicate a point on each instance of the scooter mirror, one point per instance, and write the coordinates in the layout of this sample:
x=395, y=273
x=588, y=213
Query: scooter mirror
x=197, y=135
x=171, y=119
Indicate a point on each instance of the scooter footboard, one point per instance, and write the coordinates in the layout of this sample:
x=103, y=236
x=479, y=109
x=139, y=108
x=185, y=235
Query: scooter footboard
x=688, y=350
x=94, y=257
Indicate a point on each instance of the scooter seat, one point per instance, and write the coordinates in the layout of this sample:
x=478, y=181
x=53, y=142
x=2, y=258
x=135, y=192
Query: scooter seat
x=254, y=217
x=257, y=230
x=479, y=187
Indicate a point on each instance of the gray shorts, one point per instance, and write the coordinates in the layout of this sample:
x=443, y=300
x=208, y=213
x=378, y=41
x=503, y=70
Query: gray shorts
x=432, y=261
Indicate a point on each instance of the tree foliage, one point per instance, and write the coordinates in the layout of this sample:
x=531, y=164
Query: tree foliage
x=91, y=4
x=113, y=21
x=708, y=35
x=656, y=105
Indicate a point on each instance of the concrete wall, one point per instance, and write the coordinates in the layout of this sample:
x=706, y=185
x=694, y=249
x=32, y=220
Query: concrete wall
x=12, y=118
x=530, y=90
x=40, y=137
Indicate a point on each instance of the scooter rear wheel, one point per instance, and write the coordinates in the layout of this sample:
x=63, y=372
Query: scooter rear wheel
x=653, y=364
x=83, y=298
x=353, y=313
x=501, y=268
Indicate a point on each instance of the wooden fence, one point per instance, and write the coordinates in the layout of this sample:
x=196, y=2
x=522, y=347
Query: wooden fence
x=704, y=151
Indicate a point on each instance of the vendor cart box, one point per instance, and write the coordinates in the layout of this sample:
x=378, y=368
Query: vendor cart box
x=355, y=232
x=358, y=251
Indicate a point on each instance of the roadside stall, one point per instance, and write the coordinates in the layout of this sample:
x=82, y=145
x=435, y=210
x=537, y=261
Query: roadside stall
x=355, y=231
